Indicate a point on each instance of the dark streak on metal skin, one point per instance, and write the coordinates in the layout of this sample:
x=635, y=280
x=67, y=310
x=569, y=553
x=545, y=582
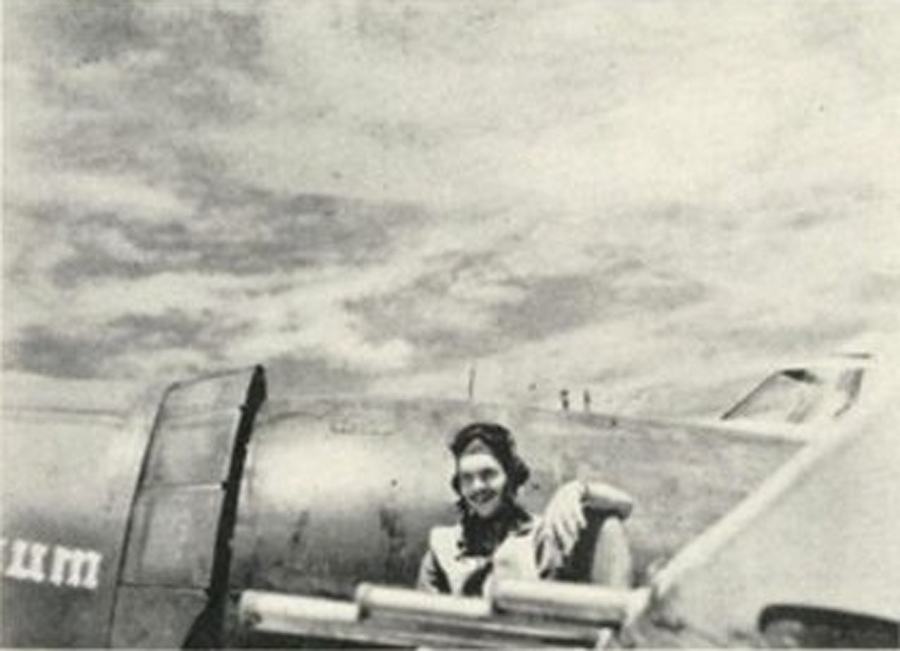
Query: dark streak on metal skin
x=299, y=546
x=391, y=522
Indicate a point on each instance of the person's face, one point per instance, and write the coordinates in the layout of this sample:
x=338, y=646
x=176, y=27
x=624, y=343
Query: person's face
x=482, y=482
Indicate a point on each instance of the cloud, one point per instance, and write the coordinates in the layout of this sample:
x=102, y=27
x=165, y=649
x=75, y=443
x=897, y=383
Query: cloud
x=390, y=189
x=320, y=331
x=123, y=194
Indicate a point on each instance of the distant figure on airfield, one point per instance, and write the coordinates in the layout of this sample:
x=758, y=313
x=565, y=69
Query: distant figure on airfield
x=564, y=399
x=497, y=538
x=586, y=398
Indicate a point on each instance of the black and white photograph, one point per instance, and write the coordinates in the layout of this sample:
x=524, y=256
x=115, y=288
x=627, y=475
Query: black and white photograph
x=450, y=324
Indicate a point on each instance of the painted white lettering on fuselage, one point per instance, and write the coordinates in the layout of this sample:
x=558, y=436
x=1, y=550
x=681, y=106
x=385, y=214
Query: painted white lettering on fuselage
x=66, y=567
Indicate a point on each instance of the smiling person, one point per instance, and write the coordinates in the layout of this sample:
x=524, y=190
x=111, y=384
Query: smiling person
x=496, y=537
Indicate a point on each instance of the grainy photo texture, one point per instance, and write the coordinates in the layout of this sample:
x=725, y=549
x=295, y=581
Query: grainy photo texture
x=447, y=323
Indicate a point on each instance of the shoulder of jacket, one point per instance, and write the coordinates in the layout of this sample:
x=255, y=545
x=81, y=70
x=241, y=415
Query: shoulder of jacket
x=533, y=525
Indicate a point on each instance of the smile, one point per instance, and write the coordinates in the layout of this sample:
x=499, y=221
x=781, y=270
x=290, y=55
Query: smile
x=483, y=498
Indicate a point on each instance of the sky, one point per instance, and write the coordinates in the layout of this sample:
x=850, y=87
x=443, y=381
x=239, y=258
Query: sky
x=639, y=199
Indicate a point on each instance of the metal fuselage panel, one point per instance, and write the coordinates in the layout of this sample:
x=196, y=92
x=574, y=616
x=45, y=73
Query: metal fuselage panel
x=333, y=492
x=340, y=492
x=68, y=483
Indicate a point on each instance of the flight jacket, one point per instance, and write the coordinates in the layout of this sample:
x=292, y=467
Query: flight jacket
x=528, y=551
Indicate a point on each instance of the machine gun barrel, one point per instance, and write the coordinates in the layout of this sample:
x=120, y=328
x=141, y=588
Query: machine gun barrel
x=574, y=602
x=273, y=612
x=374, y=600
x=521, y=613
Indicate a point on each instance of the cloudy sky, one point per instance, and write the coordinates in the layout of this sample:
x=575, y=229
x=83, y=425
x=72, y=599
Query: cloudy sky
x=373, y=196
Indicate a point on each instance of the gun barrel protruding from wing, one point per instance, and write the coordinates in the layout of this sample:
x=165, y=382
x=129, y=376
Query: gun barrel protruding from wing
x=515, y=613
